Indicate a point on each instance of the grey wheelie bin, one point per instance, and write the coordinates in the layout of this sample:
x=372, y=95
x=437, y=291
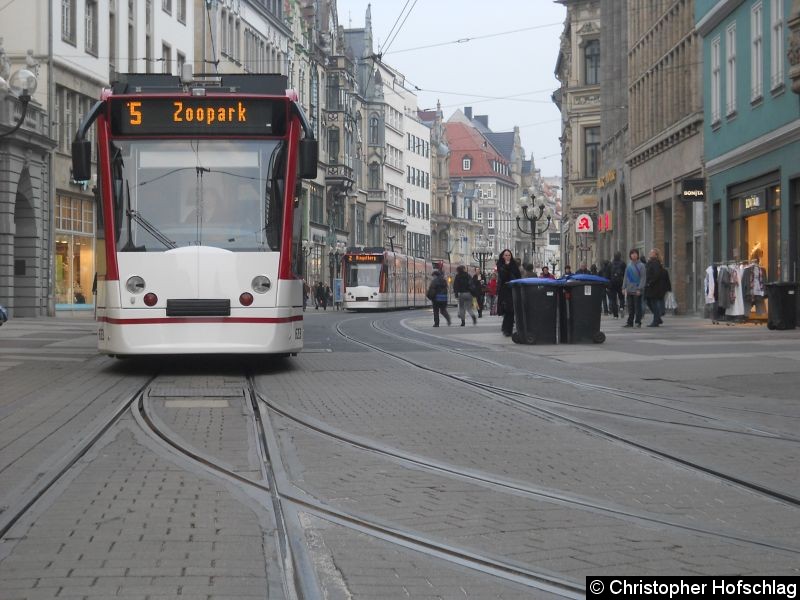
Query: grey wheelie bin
x=536, y=310
x=782, y=310
x=583, y=307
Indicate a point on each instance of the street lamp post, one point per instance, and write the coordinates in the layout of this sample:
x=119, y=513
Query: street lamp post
x=21, y=85
x=482, y=256
x=306, y=248
x=333, y=260
x=533, y=218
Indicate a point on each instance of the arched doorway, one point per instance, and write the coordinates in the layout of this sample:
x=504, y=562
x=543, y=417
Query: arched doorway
x=27, y=292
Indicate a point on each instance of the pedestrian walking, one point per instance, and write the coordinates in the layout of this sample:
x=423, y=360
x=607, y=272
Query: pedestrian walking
x=582, y=269
x=437, y=294
x=605, y=272
x=617, y=276
x=527, y=271
x=507, y=271
x=567, y=271
x=656, y=287
x=546, y=274
x=478, y=289
x=491, y=294
x=461, y=288
x=306, y=294
x=321, y=296
x=633, y=286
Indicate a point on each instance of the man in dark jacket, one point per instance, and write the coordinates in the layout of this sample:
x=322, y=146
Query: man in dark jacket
x=461, y=288
x=437, y=294
x=656, y=287
x=616, y=276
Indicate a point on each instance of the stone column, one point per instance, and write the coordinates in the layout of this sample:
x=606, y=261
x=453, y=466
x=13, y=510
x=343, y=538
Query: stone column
x=794, y=46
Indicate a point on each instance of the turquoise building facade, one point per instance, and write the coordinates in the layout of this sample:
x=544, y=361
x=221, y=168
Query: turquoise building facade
x=751, y=135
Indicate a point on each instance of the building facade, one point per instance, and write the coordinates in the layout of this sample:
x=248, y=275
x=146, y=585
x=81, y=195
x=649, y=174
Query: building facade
x=579, y=100
x=752, y=135
x=612, y=182
x=665, y=141
x=77, y=47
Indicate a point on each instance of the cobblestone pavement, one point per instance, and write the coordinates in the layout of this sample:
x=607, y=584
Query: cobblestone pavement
x=133, y=519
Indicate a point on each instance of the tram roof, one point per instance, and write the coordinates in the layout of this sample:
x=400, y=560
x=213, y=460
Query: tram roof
x=241, y=83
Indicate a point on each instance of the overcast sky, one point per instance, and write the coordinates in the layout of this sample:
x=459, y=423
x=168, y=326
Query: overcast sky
x=508, y=76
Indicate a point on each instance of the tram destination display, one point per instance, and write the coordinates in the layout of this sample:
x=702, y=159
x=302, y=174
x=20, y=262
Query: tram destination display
x=193, y=116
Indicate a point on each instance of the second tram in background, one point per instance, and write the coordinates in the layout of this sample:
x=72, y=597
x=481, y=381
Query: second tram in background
x=384, y=280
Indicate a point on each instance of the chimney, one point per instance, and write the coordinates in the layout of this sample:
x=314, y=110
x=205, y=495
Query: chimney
x=483, y=119
x=468, y=112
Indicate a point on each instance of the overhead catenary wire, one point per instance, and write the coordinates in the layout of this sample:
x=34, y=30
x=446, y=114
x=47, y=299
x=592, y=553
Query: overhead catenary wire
x=391, y=41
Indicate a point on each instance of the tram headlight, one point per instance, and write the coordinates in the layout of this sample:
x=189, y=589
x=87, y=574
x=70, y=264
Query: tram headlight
x=261, y=284
x=135, y=285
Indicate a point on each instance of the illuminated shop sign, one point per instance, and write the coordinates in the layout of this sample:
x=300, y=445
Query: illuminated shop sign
x=694, y=190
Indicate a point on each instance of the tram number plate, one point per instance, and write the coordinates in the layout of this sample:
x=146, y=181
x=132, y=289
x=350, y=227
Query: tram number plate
x=298, y=333
x=587, y=290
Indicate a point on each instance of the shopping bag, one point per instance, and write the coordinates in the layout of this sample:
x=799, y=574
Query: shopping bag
x=670, y=302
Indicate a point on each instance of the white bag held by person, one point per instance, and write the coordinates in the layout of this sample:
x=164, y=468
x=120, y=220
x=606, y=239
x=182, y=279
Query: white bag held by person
x=669, y=301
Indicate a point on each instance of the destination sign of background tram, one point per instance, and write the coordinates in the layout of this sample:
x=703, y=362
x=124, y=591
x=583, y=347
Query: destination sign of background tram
x=198, y=245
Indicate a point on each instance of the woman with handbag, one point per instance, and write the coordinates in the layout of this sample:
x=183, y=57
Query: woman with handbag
x=507, y=271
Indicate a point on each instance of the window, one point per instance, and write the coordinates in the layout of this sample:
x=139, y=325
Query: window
x=466, y=163
x=374, y=130
x=776, y=50
x=68, y=21
x=167, y=6
x=490, y=220
x=374, y=176
x=90, y=25
x=716, y=83
x=180, y=61
x=333, y=145
x=591, y=54
x=591, y=152
x=730, y=71
x=166, y=59
x=756, y=52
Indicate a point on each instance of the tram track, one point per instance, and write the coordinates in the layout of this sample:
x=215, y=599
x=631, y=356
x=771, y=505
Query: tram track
x=639, y=397
x=12, y=515
x=522, y=404
x=288, y=501
x=506, y=485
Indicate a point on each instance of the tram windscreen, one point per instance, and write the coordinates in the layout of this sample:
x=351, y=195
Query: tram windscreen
x=366, y=274
x=220, y=193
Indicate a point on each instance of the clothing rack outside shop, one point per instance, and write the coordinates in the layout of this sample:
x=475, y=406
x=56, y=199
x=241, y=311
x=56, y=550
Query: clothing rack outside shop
x=735, y=292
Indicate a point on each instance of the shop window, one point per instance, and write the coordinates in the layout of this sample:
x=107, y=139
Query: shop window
x=74, y=256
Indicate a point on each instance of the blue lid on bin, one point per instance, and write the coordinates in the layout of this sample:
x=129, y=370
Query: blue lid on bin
x=583, y=278
x=537, y=281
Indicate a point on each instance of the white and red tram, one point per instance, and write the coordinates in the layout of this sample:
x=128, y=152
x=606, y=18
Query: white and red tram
x=383, y=280
x=198, y=246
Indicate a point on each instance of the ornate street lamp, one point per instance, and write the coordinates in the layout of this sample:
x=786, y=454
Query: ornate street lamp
x=21, y=85
x=533, y=218
x=306, y=248
x=482, y=256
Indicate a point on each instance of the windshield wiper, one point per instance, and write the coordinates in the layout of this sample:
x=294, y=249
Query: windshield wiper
x=150, y=228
